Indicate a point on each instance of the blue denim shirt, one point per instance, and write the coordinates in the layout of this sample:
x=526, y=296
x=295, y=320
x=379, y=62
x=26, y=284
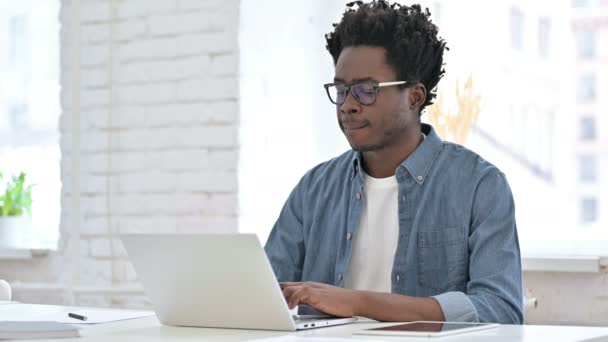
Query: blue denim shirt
x=457, y=234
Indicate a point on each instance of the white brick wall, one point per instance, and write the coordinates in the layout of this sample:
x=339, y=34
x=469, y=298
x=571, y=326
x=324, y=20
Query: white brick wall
x=158, y=94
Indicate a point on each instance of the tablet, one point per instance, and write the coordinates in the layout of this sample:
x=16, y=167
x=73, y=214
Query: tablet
x=427, y=329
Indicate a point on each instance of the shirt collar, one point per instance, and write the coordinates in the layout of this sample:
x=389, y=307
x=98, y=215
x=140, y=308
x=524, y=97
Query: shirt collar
x=419, y=163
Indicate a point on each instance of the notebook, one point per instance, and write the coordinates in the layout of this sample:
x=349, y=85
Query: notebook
x=12, y=330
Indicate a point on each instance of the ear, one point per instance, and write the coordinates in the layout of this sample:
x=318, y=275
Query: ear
x=417, y=96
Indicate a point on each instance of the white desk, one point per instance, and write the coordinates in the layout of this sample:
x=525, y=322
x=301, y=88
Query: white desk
x=148, y=329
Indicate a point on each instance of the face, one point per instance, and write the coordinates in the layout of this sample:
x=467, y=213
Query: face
x=384, y=123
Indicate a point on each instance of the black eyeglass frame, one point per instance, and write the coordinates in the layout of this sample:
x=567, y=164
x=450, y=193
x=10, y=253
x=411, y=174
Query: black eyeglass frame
x=376, y=86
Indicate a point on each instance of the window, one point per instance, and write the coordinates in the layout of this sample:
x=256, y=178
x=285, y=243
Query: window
x=29, y=108
x=516, y=22
x=587, y=129
x=544, y=36
x=17, y=115
x=585, y=43
x=588, y=210
x=585, y=91
x=436, y=14
x=19, y=39
x=587, y=168
x=524, y=125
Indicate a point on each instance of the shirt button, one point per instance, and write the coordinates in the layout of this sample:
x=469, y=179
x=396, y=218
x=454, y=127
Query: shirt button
x=340, y=276
x=358, y=195
x=420, y=178
x=349, y=236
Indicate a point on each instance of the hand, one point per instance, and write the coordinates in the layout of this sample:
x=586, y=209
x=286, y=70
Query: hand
x=329, y=299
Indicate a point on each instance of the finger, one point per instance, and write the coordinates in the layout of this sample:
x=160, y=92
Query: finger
x=288, y=284
x=288, y=294
x=291, y=298
x=301, y=295
x=287, y=291
x=315, y=284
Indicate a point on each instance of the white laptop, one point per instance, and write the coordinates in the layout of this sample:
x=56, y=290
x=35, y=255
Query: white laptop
x=214, y=280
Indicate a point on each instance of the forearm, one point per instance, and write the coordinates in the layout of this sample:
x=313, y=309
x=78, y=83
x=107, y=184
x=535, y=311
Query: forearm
x=396, y=307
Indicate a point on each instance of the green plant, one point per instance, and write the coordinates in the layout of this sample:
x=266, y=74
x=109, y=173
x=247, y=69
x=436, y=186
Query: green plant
x=17, y=197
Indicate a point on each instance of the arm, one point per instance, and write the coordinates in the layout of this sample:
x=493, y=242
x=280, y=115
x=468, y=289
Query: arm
x=494, y=292
x=375, y=305
x=285, y=246
x=398, y=308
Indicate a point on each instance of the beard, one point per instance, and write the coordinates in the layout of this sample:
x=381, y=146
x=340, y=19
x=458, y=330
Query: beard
x=389, y=136
x=367, y=148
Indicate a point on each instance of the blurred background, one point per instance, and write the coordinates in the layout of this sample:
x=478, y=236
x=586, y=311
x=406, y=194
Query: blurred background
x=201, y=116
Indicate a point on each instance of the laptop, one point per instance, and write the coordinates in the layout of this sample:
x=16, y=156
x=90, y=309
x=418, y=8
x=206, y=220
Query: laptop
x=214, y=281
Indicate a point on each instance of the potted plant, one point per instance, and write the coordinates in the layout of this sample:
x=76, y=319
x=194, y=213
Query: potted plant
x=15, y=211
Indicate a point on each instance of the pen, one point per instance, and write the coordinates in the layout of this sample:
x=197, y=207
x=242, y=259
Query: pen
x=77, y=316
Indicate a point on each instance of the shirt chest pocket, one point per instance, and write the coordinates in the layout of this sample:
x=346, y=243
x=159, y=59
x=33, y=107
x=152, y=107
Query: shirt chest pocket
x=442, y=259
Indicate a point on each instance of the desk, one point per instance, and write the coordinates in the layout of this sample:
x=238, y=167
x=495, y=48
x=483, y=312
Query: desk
x=149, y=329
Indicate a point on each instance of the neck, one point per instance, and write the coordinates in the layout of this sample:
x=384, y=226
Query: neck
x=383, y=163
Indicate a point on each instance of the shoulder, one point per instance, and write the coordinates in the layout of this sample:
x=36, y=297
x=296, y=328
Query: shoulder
x=464, y=162
x=332, y=170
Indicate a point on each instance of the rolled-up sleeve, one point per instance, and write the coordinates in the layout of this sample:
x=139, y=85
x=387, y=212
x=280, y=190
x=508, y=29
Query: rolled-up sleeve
x=457, y=307
x=494, y=291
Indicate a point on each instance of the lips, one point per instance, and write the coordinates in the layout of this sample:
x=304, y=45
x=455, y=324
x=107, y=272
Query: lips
x=351, y=126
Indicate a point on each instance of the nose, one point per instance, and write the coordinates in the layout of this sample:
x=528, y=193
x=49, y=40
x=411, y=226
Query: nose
x=350, y=105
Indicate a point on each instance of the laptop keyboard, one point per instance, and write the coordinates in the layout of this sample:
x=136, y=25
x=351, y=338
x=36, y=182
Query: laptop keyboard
x=306, y=318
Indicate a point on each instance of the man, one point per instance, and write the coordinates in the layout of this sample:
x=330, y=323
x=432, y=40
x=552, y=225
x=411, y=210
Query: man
x=404, y=226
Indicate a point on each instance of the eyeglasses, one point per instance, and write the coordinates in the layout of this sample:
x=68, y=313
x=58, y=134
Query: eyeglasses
x=364, y=92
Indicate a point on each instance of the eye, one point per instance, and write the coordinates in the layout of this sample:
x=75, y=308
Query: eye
x=364, y=89
x=368, y=92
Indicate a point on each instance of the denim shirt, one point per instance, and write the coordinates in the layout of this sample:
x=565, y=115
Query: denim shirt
x=457, y=234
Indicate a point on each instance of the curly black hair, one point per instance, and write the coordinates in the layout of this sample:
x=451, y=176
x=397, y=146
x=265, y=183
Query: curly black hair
x=413, y=48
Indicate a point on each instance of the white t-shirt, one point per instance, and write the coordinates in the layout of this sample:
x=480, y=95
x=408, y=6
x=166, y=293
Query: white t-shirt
x=375, y=242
